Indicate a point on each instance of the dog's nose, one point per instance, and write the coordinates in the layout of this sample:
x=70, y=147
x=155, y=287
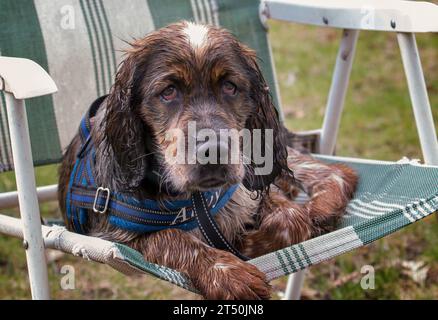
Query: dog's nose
x=205, y=155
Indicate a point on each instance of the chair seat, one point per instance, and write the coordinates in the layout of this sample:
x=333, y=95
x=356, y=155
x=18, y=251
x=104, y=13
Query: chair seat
x=389, y=197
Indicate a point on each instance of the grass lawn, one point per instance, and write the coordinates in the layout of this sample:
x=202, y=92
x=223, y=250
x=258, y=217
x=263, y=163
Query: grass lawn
x=377, y=123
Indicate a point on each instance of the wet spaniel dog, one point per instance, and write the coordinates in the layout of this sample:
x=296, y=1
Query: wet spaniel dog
x=188, y=72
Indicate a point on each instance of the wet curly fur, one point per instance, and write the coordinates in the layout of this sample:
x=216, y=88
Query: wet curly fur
x=129, y=136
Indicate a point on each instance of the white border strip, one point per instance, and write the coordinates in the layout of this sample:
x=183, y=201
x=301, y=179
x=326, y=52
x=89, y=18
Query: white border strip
x=369, y=161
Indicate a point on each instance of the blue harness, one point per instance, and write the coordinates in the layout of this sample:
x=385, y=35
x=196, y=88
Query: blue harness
x=128, y=213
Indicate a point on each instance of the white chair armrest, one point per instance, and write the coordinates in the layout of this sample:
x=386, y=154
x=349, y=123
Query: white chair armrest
x=24, y=78
x=379, y=15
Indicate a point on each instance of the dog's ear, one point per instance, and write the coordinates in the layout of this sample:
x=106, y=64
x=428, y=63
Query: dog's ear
x=124, y=130
x=265, y=117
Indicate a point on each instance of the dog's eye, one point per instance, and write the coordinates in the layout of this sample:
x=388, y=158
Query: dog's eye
x=169, y=93
x=229, y=88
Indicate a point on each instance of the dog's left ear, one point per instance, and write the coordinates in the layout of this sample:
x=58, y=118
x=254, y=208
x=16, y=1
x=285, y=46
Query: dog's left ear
x=265, y=117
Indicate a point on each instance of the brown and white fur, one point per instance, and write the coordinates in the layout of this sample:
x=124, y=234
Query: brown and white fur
x=188, y=72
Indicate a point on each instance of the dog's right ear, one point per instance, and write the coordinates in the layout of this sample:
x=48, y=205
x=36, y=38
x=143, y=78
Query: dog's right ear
x=264, y=117
x=124, y=130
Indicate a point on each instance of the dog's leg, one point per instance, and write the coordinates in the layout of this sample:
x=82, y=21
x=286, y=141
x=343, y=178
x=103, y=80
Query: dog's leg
x=215, y=273
x=284, y=222
x=329, y=186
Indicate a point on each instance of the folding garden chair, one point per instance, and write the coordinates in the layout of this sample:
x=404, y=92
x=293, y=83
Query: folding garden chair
x=76, y=42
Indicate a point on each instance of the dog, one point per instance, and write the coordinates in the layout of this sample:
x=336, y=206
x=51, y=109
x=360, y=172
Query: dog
x=191, y=72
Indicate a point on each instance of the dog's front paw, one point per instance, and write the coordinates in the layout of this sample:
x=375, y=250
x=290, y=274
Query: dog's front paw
x=283, y=223
x=330, y=198
x=230, y=278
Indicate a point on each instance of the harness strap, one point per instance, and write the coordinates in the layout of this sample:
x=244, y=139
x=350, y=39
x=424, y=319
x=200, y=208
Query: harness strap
x=209, y=228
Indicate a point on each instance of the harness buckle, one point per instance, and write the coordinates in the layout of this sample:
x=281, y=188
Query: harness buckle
x=108, y=193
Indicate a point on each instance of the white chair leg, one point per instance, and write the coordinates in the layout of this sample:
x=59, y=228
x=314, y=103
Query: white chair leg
x=27, y=196
x=294, y=285
x=338, y=89
x=419, y=97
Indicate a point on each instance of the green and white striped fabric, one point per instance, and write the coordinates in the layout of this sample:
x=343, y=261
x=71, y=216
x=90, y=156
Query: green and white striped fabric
x=79, y=43
x=389, y=197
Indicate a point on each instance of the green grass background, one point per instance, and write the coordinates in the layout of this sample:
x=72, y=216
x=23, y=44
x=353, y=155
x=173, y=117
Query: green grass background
x=377, y=123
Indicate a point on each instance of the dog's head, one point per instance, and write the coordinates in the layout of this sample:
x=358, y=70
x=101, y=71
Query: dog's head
x=193, y=90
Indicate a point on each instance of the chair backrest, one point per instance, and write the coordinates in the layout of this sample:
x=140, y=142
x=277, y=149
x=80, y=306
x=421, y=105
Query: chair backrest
x=79, y=41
